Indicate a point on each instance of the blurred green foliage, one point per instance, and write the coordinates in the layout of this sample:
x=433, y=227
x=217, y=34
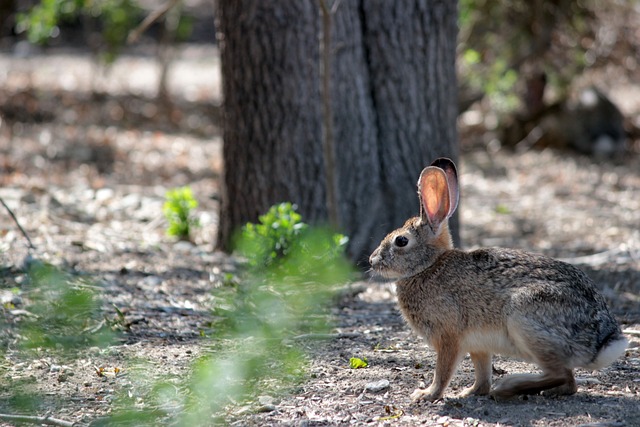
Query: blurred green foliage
x=258, y=315
x=113, y=20
x=114, y=17
x=178, y=210
x=286, y=290
x=64, y=312
x=502, y=43
x=251, y=349
x=62, y=317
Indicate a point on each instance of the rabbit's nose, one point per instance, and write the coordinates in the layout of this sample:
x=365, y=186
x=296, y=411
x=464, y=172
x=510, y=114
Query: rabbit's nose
x=375, y=258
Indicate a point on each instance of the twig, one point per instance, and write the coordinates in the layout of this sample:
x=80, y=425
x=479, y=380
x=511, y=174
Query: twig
x=150, y=19
x=328, y=141
x=24, y=233
x=326, y=336
x=600, y=258
x=631, y=332
x=38, y=420
x=531, y=139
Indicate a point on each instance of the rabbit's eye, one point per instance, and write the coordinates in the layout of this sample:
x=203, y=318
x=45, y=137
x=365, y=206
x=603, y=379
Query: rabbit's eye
x=401, y=241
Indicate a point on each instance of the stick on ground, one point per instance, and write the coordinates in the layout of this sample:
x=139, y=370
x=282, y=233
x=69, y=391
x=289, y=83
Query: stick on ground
x=38, y=420
x=24, y=233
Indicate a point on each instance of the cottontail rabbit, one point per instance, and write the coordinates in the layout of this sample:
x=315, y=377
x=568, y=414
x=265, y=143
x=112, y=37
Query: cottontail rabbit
x=493, y=301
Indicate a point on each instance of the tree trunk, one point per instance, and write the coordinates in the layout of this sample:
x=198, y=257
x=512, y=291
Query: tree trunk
x=393, y=108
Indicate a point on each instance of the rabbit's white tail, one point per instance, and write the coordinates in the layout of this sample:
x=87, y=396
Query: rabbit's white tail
x=608, y=354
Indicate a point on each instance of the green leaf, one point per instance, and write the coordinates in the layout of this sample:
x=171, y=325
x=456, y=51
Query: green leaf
x=502, y=209
x=357, y=363
x=471, y=56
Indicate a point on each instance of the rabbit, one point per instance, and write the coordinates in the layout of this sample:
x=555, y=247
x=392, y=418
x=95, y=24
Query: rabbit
x=492, y=301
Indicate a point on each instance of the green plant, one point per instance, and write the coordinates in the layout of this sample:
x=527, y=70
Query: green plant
x=279, y=233
x=293, y=270
x=178, y=210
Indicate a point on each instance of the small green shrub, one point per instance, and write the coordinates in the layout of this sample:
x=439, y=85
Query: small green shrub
x=178, y=210
x=279, y=233
x=293, y=271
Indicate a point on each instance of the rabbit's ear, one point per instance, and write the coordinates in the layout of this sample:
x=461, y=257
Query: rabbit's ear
x=433, y=189
x=449, y=169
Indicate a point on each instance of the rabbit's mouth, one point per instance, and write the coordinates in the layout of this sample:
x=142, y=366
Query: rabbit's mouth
x=378, y=267
x=388, y=274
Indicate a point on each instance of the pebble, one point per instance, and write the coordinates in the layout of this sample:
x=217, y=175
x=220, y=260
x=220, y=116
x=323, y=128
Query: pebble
x=377, y=386
x=152, y=281
x=104, y=194
x=266, y=400
x=183, y=246
x=267, y=404
x=588, y=381
x=8, y=297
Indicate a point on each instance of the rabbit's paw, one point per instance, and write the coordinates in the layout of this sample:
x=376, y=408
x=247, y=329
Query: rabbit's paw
x=565, y=389
x=476, y=389
x=428, y=395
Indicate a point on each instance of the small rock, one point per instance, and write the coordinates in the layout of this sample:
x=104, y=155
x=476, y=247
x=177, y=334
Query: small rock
x=588, y=381
x=442, y=420
x=243, y=410
x=8, y=297
x=152, y=281
x=266, y=408
x=266, y=400
x=104, y=194
x=377, y=386
x=183, y=246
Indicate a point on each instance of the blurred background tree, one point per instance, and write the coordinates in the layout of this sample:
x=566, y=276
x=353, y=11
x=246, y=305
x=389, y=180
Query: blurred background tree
x=527, y=62
x=107, y=27
x=504, y=48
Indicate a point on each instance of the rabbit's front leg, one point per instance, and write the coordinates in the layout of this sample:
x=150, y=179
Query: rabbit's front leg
x=447, y=359
x=483, y=371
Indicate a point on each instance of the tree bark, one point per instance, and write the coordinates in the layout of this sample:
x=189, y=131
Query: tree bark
x=393, y=107
x=269, y=53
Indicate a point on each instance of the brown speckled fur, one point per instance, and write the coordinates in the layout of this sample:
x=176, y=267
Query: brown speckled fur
x=496, y=301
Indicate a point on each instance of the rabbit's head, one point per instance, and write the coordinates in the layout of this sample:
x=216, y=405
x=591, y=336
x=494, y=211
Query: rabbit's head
x=415, y=246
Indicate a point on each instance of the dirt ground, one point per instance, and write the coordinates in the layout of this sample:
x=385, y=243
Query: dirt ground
x=86, y=174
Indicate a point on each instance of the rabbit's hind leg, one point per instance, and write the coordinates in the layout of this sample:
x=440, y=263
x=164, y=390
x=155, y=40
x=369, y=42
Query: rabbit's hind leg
x=556, y=381
x=568, y=388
